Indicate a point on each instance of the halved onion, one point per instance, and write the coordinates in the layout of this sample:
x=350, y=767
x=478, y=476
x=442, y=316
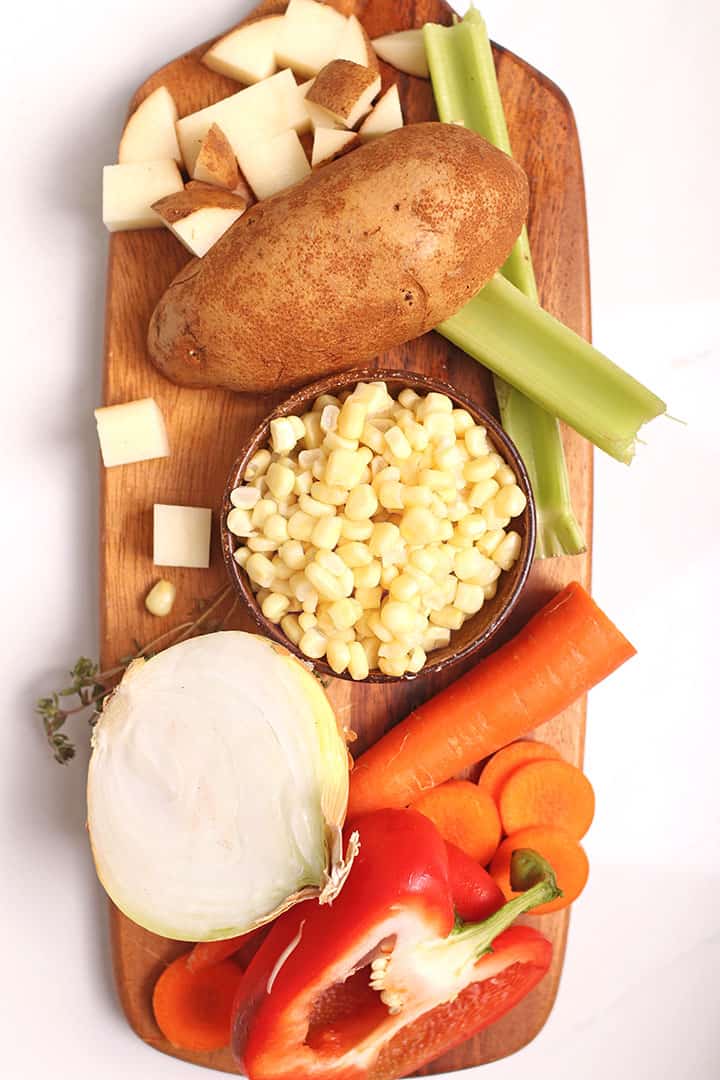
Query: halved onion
x=217, y=789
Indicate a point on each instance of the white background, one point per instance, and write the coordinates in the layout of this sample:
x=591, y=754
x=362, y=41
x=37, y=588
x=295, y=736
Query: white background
x=640, y=993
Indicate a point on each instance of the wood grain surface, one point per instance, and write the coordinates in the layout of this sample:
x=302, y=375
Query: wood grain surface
x=207, y=428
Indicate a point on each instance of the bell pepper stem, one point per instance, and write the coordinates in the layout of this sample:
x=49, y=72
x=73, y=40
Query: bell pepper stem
x=529, y=872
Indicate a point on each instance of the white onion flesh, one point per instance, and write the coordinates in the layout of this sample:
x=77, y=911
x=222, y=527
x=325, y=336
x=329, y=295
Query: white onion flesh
x=217, y=788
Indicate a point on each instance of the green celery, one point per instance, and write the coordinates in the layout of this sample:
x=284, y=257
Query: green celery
x=554, y=367
x=466, y=92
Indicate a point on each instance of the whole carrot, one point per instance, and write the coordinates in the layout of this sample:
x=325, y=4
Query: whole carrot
x=568, y=647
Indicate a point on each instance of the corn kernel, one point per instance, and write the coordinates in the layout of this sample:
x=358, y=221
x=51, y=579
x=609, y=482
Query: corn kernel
x=398, y=617
x=260, y=569
x=505, y=476
x=390, y=495
x=300, y=525
x=404, y=588
x=283, y=438
x=262, y=511
x=290, y=626
x=449, y=617
x=462, y=421
x=367, y=576
x=372, y=437
x=355, y=530
x=374, y=396
x=371, y=645
x=326, y=584
x=262, y=543
x=326, y=399
x=332, y=494
x=483, y=492
x=388, y=575
x=314, y=508
x=313, y=644
x=329, y=418
x=385, y=537
x=490, y=590
x=244, y=497
x=417, y=658
x=493, y=519
x=338, y=655
x=468, y=564
x=369, y=598
x=488, y=542
x=307, y=621
x=418, y=526
x=458, y=510
x=333, y=441
x=275, y=528
x=303, y=483
x=469, y=598
x=345, y=613
x=275, y=606
x=397, y=443
x=283, y=572
x=476, y=441
x=396, y=666
x=352, y=419
x=435, y=637
x=408, y=398
x=417, y=436
x=507, y=551
x=434, y=403
x=361, y=503
x=239, y=522
x=241, y=555
x=313, y=432
x=308, y=458
x=343, y=468
x=440, y=428
x=258, y=464
x=326, y=533
x=354, y=553
x=510, y=501
x=416, y=495
x=280, y=480
x=358, y=664
x=474, y=525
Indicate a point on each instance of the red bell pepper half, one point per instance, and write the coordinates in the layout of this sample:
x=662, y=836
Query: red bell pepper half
x=385, y=979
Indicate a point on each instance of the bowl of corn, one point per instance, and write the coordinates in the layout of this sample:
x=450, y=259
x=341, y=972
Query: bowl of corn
x=379, y=524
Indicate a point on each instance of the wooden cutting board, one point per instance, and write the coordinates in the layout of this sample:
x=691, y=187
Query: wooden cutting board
x=208, y=427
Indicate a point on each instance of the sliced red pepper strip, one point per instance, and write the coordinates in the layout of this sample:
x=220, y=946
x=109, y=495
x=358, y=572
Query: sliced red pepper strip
x=331, y=987
x=205, y=954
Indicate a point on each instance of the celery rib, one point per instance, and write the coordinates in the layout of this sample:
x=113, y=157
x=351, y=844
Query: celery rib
x=466, y=91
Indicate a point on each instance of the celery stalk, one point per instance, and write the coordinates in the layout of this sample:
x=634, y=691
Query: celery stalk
x=466, y=91
x=554, y=367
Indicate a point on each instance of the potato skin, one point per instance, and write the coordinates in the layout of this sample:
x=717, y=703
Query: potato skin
x=370, y=251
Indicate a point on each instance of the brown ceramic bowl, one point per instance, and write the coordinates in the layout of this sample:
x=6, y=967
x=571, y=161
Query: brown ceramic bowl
x=477, y=631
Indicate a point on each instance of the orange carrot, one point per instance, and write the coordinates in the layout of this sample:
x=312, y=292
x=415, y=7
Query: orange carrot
x=465, y=816
x=568, y=647
x=206, y=954
x=564, y=854
x=508, y=760
x=193, y=1009
x=548, y=793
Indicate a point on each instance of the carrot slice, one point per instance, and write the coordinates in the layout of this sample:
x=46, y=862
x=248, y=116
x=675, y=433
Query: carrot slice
x=506, y=761
x=548, y=793
x=193, y=1009
x=564, y=854
x=563, y=651
x=464, y=815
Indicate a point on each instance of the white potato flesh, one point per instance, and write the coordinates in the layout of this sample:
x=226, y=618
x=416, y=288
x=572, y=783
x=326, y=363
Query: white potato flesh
x=329, y=143
x=248, y=53
x=130, y=432
x=274, y=165
x=181, y=535
x=149, y=134
x=405, y=50
x=207, y=785
x=257, y=113
x=200, y=230
x=129, y=191
x=386, y=116
x=310, y=36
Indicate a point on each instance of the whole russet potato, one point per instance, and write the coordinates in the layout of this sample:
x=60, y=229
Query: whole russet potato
x=368, y=252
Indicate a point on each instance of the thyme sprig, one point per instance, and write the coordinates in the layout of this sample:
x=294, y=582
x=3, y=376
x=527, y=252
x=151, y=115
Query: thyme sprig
x=89, y=687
